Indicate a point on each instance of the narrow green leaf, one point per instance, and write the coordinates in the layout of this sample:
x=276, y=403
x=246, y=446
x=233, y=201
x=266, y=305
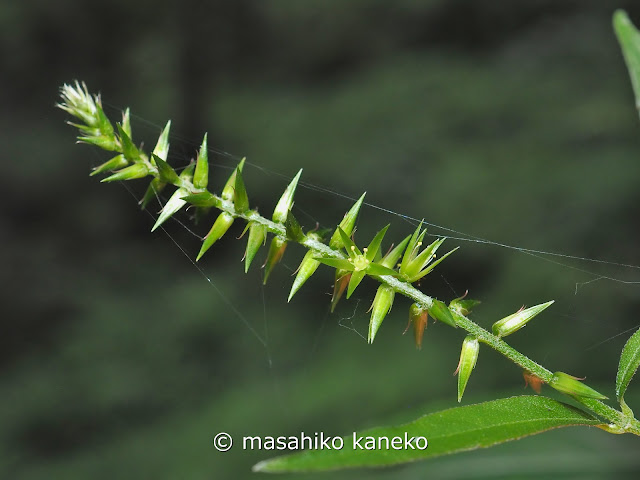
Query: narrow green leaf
x=449, y=431
x=347, y=224
x=201, y=175
x=629, y=362
x=629, y=38
x=286, y=201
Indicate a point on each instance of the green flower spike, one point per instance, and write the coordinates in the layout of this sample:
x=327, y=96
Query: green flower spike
x=175, y=202
x=359, y=263
x=461, y=306
x=381, y=305
x=516, y=321
x=571, y=385
x=416, y=265
x=418, y=316
x=257, y=237
x=468, y=359
x=309, y=264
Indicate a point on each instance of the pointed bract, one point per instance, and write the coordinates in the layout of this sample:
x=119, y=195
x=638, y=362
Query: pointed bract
x=347, y=224
x=155, y=187
x=115, y=163
x=219, y=228
x=286, y=201
x=176, y=201
x=162, y=145
x=129, y=150
x=340, y=285
x=240, y=197
x=166, y=174
x=391, y=259
x=382, y=304
x=257, y=236
x=468, y=359
x=307, y=267
x=354, y=281
x=228, y=192
x=516, y=321
x=571, y=385
x=137, y=170
x=439, y=311
x=201, y=175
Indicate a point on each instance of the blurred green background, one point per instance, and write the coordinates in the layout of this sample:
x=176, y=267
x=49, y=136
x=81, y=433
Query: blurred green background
x=510, y=121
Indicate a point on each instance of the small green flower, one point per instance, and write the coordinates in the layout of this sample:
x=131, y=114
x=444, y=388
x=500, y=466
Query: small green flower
x=516, y=321
x=468, y=359
x=416, y=265
x=359, y=263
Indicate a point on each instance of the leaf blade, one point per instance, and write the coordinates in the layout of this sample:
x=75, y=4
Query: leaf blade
x=629, y=362
x=449, y=431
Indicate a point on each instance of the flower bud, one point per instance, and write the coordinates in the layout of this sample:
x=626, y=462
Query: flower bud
x=571, y=385
x=516, y=321
x=381, y=305
x=532, y=380
x=468, y=359
x=219, y=228
x=162, y=146
x=347, y=224
x=228, y=192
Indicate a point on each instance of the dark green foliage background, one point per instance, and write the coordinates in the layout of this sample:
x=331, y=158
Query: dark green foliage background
x=512, y=121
